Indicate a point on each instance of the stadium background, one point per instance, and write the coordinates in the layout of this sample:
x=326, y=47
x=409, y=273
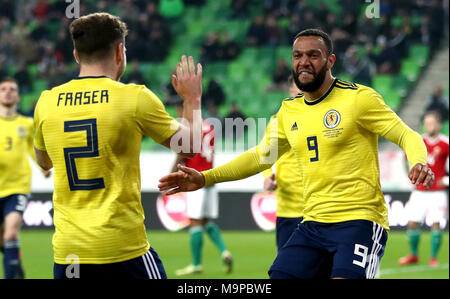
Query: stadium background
x=245, y=47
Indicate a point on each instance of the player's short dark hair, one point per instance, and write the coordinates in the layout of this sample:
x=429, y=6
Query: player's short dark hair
x=320, y=33
x=9, y=79
x=435, y=113
x=96, y=35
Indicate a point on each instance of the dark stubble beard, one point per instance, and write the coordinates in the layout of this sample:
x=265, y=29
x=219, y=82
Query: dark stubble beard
x=314, y=84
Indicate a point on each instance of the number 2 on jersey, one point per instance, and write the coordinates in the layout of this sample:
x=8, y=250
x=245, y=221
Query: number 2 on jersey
x=89, y=151
x=313, y=146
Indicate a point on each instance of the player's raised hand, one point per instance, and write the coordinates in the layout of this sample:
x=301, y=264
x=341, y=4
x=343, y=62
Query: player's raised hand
x=188, y=179
x=421, y=174
x=270, y=184
x=188, y=81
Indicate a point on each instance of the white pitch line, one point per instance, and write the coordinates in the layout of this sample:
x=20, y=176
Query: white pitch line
x=409, y=269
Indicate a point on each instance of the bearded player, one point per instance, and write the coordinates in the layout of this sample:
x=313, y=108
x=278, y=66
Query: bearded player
x=336, y=146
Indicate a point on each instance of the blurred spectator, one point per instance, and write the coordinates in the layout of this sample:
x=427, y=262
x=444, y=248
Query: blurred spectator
x=273, y=31
x=387, y=60
x=280, y=75
x=214, y=94
x=360, y=68
x=40, y=32
x=64, y=45
x=171, y=8
x=293, y=28
x=23, y=78
x=59, y=74
x=212, y=113
x=210, y=48
x=50, y=59
x=3, y=72
x=136, y=47
x=256, y=33
x=128, y=11
x=229, y=49
x=158, y=42
x=234, y=114
x=438, y=102
x=240, y=9
x=135, y=76
x=40, y=9
x=7, y=10
x=195, y=2
x=170, y=93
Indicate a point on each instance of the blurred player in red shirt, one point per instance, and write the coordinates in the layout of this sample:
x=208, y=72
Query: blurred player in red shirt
x=202, y=205
x=431, y=202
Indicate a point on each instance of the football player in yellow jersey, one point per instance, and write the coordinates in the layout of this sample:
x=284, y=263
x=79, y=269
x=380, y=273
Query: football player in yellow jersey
x=286, y=182
x=333, y=128
x=16, y=144
x=90, y=131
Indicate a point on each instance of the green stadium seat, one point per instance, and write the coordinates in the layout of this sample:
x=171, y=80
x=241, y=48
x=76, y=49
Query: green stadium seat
x=382, y=83
x=393, y=99
x=236, y=70
x=410, y=69
x=419, y=53
x=40, y=85
x=401, y=84
x=27, y=101
x=33, y=69
x=284, y=53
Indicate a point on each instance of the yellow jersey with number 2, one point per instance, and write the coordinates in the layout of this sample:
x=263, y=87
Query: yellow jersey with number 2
x=92, y=129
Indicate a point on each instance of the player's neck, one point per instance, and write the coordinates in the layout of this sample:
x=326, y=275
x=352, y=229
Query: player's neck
x=433, y=137
x=96, y=70
x=326, y=85
x=8, y=112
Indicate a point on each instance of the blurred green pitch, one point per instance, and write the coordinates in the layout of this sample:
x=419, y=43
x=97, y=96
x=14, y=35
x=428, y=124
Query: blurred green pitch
x=253, y=252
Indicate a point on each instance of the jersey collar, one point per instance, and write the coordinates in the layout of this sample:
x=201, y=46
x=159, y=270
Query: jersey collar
x=322, y=97
x=89, y=77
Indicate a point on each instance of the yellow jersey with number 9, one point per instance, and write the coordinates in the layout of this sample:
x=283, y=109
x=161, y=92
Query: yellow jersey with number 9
x=16, y=143
x=92, y=129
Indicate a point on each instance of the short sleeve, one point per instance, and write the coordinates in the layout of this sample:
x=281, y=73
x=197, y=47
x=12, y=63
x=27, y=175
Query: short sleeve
x=152, y=117
x=373, y=114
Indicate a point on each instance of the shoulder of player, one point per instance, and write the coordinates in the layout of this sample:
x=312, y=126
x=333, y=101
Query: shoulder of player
x=341, y=84
x=24, y=120
x=297, y=97
x=443, y=139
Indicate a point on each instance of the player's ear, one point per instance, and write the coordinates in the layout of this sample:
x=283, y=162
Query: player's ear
x=75, y=54
x=331, y=61
x=120, y=53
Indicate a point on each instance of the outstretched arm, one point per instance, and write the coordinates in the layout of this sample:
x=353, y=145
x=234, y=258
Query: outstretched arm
x=411, y=142
x=247, y=164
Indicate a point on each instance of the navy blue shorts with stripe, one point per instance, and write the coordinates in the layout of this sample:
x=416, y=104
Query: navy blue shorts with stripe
x=356, y=248
x=12, y=203
x=147, y=266
x=284, y=229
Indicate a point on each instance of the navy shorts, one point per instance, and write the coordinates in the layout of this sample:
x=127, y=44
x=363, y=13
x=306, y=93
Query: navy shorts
x=284, y=229
x=12, y=203
x=147, y=266
x=356, y=248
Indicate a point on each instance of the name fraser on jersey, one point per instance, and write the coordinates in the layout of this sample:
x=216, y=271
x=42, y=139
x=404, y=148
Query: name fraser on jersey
x=83, y=98
x=226, y=288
